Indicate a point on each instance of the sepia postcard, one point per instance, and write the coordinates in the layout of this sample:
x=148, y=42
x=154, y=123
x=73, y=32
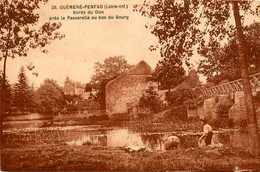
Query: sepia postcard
x=130, y=85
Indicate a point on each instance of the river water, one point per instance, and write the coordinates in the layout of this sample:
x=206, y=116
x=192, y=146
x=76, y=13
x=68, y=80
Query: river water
x=122, y=137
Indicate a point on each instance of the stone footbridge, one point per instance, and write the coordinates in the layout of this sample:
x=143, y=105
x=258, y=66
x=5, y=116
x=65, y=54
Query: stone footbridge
x=224, y=95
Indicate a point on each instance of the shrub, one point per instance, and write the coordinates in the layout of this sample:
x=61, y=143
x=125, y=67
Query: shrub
x=189, y=97
x=176, y=113
x=194, y=119
x=98, y=118
x=222, y=110
x=143, y=116
x=241, y=123
x=222, y=123
x=119, y=118
x=150, y=99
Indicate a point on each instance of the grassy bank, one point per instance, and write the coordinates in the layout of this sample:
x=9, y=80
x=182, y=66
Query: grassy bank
x=41, y=150
x=149, y=122
x=63, y=157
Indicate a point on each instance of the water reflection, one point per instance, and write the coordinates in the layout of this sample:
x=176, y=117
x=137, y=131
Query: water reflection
x=30, y=116
x=25, y=124
x=96, y=135
x=89, y=140
x=124, y=137
x=32, y=120
x=154, y=142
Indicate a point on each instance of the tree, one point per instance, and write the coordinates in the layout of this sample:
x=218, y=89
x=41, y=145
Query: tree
x=7, y=101
x=150, y=99
x=88, y=87
x=50, y=97
x=184, y=25
x=168, y=73
x=254, y=139
x=32, y=97
x=109, y=70
x=222, y=62
x=21, y=93
x=18, y=32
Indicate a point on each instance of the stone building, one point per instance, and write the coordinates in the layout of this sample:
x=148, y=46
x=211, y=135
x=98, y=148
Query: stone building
x=123, y=92
x=73, y=88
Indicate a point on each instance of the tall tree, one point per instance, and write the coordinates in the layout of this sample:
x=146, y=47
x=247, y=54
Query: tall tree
x=105, y=72
x=32, y=97
x=222, y=62
x=243, y=57
x=21, y=93
x=18, y=32
x=150, y=99
x=168, y=73
x=7, y=101
x=50, y=97
x=183, y=25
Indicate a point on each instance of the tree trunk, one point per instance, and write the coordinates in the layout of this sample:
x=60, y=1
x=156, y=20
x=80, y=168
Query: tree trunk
x=2, y=101
x=254, y=144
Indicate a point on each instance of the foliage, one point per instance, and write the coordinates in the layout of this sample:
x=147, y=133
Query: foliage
x=111, y=68
x=223, y=62
x=178, y=25
x=182, y=99
x=182, y=26
x=119, y=118
x=190, y=98
x=144, y=116
x=176, y=113
x=222, y=123
x=150, y=99
x=33, y=102
x=88, y=87
x=22, y=95
x=19, y=33
x=98, y=118
x=222, y=109
x=7, y=100
x=100, y=96
x=168, y=73
x=50, y=97
x=72, y=102
x=105, y=72
x=77, y=103
x=192, y=80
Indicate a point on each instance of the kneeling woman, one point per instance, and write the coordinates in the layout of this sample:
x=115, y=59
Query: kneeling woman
x=207, y=129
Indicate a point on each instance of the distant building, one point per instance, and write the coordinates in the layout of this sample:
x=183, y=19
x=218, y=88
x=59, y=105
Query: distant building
x=125, y=91
x=73, y=88
x=87, y=95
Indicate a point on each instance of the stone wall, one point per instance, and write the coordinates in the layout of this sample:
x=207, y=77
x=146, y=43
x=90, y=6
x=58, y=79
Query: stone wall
x=199, y=112
x=209, y=107
x=238, y=111
x=124, y=92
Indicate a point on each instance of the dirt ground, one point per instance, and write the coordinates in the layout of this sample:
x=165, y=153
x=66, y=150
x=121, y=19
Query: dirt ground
x=61, y=157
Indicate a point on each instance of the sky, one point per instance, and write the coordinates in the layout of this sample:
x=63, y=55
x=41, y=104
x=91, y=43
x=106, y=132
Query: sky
x=87, y=42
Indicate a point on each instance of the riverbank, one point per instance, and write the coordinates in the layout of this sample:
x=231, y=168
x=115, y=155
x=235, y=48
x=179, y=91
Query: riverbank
x=49, y=150
x=62, y=157
x=60, y=145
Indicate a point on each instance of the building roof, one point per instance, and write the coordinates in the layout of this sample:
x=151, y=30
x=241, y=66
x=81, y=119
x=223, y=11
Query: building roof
x=80, y=85
x=142, y=68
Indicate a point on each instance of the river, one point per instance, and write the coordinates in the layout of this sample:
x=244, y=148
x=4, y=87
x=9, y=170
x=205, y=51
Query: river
x=77, y=135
